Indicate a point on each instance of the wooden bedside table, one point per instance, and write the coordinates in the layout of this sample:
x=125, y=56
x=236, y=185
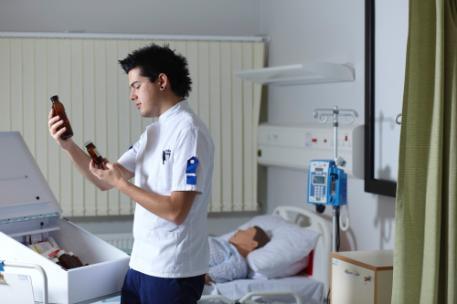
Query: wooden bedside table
x=361, y=277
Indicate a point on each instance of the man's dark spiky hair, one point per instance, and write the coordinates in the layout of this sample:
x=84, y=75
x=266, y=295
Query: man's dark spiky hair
x=154, y=60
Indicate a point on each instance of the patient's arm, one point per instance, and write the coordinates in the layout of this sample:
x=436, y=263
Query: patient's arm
x=232, y=269
x=208, y=279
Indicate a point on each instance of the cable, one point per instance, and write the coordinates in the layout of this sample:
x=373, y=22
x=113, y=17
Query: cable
x=320, y=208
x=336, y=210
x=344, y=224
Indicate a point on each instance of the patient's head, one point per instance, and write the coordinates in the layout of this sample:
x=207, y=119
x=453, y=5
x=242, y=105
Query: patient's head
x=249, y=240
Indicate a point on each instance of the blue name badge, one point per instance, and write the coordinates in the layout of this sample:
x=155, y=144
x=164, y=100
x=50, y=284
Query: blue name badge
x=191, y=171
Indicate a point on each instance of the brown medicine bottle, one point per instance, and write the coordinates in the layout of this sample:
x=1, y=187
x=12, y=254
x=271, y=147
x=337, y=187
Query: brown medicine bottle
x=59, y=110
x=92, y=150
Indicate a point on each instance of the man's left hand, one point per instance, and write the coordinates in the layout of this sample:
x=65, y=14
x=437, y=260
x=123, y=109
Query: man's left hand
x=110, y=173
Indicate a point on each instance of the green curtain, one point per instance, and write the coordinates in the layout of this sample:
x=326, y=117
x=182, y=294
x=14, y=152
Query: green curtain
x=425, y=269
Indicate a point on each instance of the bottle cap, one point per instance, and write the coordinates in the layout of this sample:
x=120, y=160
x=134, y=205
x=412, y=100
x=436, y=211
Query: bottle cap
x=54, y=98
x=87, y=143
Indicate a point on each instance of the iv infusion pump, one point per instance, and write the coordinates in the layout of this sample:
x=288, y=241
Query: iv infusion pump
x=327, y=184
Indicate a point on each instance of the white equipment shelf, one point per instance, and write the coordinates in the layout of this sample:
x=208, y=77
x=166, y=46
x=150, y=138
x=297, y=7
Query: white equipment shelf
x=306, y=73
x=295, y=146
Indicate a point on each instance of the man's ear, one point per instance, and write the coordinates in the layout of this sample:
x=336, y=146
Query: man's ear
x=254, y=244
x=162, y=80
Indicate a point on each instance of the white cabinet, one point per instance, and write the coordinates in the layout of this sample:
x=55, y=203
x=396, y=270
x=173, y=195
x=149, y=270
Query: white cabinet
x=361, y=277
x=29, y=210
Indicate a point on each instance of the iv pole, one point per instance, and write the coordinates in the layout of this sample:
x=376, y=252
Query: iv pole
x=323, y=115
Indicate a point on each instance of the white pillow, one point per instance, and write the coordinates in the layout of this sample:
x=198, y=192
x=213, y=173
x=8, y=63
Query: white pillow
x=287, y=271
x=285, y=254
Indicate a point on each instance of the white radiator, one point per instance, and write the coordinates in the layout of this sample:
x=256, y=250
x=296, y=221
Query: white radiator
x=123, y=241
x=94, y=89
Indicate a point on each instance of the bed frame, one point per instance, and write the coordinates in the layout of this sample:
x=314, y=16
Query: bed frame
x=319, y=270
x=307, y=218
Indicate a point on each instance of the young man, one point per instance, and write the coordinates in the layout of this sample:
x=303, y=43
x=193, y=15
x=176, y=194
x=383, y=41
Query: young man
x=228, y=258
x=172, y=163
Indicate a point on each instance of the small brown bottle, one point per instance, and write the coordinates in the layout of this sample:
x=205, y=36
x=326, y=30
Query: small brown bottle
x=96, y=157
x=68, y=260
x=59, y=110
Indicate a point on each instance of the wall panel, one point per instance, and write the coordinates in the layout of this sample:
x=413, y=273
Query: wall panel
x=94, y=89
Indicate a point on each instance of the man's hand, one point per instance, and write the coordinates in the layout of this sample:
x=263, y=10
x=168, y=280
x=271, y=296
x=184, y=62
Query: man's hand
x=109, y=173
x=54, y=123
x=208, y=279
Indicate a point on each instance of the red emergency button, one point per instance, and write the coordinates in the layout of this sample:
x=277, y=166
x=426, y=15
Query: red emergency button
x=314, y=140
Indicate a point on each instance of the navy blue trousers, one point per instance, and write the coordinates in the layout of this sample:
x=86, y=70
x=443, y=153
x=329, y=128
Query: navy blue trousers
x=140, y=288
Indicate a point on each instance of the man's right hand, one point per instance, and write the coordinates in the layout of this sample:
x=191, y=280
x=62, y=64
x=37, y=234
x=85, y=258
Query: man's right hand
x=54, y=124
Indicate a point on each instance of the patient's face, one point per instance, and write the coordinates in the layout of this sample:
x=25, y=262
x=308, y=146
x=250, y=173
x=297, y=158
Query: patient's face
x=244, y=240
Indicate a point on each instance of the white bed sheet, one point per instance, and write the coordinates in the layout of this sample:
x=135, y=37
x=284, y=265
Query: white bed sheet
x=308, y=289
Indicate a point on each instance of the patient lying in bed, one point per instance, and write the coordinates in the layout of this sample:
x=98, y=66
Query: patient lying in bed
x=228, y=258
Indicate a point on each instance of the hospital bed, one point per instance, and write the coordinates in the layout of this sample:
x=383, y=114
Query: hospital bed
x=310, y=288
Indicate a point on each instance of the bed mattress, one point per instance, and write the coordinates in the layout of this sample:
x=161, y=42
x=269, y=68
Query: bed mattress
x=309, y=290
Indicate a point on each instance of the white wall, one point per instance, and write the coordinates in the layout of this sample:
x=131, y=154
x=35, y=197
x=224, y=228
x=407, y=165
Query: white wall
x=190, y=17
x=302, y=31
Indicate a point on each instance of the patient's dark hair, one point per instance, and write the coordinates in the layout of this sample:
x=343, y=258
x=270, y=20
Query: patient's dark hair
x=261, y=237
x=154, y=60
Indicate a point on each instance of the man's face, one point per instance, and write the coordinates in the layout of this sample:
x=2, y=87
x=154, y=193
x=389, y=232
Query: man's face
x=144, y=93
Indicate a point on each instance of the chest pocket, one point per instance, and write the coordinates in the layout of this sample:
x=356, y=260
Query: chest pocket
x=165, y=172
